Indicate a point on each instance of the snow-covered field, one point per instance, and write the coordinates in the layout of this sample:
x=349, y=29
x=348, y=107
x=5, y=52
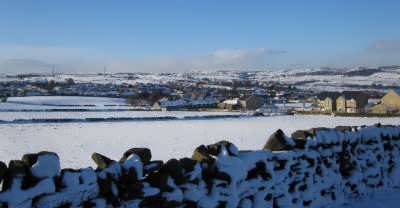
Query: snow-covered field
x=28, y=108
x=10, y=116
x=76, y=141
x=66, y=100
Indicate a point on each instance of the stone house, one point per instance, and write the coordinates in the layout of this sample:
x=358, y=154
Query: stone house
x=327, y=105
x=345, y=102
x=351, y=102
x=232, y=104
x=341, y=104
x=389, y=103
x=252, y=103
x=326, y=101
x=352, y=106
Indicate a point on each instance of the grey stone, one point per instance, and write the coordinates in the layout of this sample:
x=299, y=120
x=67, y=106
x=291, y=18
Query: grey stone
x=277, y=142
x=101, y=160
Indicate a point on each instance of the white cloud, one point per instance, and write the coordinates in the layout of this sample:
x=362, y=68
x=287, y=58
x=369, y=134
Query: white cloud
x=237, y=55
x=17, y=59
x=228, y=55
x=216, y=60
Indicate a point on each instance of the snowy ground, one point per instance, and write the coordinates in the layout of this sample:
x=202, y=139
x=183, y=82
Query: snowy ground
x=66, y=100
x=54, y=107
x=11, y=116
x=76, y=141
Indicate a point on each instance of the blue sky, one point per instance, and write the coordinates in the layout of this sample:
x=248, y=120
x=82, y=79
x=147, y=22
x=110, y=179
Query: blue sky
x=189, y=35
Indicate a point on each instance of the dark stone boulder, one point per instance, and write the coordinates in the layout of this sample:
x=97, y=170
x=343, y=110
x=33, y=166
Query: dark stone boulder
x=223, y=177
x=101, y=160
x=280, y=164
x=43, y=164
x=174, y=169
x=129, y=187
x=60, y=181
x=188, y=164
x=16, y=169
x=207, y=153
x=302, y=134
x=159, y=180
x=278, y=141
x=216, y=149
x=343, y=128
x=201, y=154
x=106, y=190
x=29, y=159
x=317, y=129
x=300, y=138
x=143, y=153
x=345, y=165
x=3, y=171
x=152, y=166
x=259, y=170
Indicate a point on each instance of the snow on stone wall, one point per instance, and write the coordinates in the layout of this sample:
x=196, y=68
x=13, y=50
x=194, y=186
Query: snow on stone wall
x=312, y=168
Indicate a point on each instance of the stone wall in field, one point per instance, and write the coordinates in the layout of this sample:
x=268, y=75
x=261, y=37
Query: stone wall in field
x=313, y=168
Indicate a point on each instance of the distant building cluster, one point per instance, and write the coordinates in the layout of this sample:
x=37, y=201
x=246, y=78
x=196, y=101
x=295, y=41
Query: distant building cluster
x=357, y=102
x=205, y=94
x=199, y=91
x=341, y=102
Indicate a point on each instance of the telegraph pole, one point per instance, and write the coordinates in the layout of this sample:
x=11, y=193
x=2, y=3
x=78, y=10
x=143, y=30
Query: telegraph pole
x=53, y=72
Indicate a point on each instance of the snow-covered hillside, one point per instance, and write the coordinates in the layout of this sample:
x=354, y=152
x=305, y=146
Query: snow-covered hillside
x=316, y=79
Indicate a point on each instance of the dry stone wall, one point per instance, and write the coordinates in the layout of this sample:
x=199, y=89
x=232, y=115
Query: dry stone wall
x=311, y=168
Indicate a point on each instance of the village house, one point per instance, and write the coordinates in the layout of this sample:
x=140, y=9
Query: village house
x=354, y=106
x=231, y=104
x=389, y=103
x=325, y=102
x=345, y=102
x=327, y=105
x=351, y=102
x=346, y=105
x=252, y=103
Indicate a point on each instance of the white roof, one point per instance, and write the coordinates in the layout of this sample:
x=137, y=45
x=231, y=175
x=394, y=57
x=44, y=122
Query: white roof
x=232, y=101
